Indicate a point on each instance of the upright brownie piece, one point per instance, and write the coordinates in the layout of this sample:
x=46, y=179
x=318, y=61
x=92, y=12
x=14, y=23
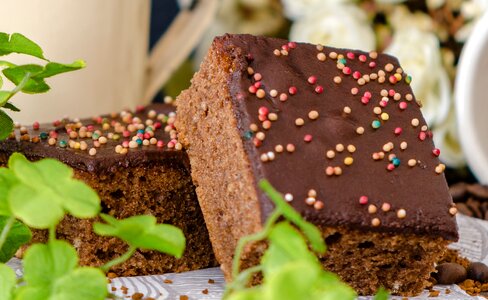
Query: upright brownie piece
x=340, y=134
x=136, y=165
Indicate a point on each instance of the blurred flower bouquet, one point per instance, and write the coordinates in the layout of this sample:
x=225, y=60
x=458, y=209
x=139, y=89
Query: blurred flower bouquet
x=426, y=35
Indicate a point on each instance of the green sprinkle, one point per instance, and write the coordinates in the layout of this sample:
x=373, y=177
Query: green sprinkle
x=43, y=135
x=342, y=61
x=63, y=144
x=248, y=135
x=116, y=137
x=408, y=79
x=376, y=124
x=95, y=136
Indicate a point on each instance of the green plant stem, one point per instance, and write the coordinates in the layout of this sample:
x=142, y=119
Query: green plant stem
x=252, y=238
x=241, y=280
x=52, y=233
x=18, y=88
x=119, y=259
x=6, y=230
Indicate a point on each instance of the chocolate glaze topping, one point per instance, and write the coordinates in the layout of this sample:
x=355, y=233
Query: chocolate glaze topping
x=106, y=159
x=400, y=198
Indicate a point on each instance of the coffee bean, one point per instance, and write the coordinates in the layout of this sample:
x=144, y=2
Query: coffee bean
x=478, y=190
x=458, y=191
x=449, y=273
x=475, y=207
x=478, y=271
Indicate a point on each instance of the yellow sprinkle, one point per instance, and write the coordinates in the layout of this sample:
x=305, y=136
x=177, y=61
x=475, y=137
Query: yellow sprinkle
x=348, y=161
x=385, y=116
x=412, y=162
x=351, y=148
x=375, y=222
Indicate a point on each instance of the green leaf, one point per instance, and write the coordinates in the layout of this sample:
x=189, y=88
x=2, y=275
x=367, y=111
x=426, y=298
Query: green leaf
x=293, y=281
x=45, y=263
x=286, y=245
x=143, y=232
x=34, y=85
x=6, y=125
x=51, y=272
x=48, y=183
x=53, y=68
x=7, y=181
x=17, y=43
x=382, y=294
x=7, y=282
x=81, y=284
x=4, y=96
x=19, y=235
x=311, y=232
x=255, y=293
x=6, y=64
x=10, y=106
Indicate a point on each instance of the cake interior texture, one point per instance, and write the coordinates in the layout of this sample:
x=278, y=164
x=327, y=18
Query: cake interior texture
x=215, y=121
x=144, y=181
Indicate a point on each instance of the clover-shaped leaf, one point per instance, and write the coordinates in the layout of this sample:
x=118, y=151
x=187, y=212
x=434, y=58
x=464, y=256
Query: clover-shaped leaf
x=286, y=245
x=143, y=232
x=7, y=282
x=18, y=235
x=51, y=272
x=48, y=183
x=309, y=230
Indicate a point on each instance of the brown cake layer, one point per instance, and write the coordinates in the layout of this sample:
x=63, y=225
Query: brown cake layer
x=153, y=180
x=338, y=132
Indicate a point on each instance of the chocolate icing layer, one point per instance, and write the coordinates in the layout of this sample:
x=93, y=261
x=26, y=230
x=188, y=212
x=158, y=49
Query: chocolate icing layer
x=106, y=159
x=419, y=191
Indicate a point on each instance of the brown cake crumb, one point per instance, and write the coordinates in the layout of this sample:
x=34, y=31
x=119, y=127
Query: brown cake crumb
x=453, y=256
x=184, y=297
x=205, y=291
x=448, y=291
x=137, y=296
x=434, y=293
x=124, y=290
x=211, y=281
x=168, y=281
x=113, y=289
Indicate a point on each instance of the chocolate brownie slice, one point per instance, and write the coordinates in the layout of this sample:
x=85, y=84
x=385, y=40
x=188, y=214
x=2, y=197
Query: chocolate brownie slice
x=136, y=165
x=340, y=134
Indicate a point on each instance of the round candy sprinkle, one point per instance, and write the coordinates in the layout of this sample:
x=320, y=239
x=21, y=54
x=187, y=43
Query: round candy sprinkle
x=337, y=79
x=390, y=167
x=401, y=213
x=321, y=56
x=398, y=131
x=283, y=97
x=337, y=171
x=396, y=161
x=360, y=130
x=376, y=124
x=354, y=91
x=318, y=205
x=312, y=79
x=313, y=115
x=273, y=93
x=329, y=171
x=415, y=122
x=363, y=200
x=385, y=207
x=292, y=90
x=310, y=200
x=436, y=152
x=351, y=148
x=273, y=117
x=299, y=122
x=402, y=105
x=385, y=116
x=372, y=209
x=347, y=110
x=92, y=151
x=279, y=148
x=312, y=193
x=307, y=138
x=348, y=161
x=453, y=211
x=330, y=154
x=288, y=197
x=440, y=168
x=375, y=222
x=412, y=162
x=389, y=67
x=403, y=145
x=290, y=148
x=319, y=89
x=260, y=93
x=422, y=136
x=63, y=144
x=339, y=148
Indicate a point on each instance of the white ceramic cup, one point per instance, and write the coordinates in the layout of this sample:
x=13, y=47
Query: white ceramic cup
x=472, y=100
x=110, y=35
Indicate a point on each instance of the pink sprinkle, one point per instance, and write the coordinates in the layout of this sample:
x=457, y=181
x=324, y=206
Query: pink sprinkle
x=367, y=95
x=263, y=110
x=422, y=136
x=436, y=152
x=125, y=144
x=292, y=45
x=140, y=135
x=346, y=70
x=391, y=92
x=312, y=79
x=285, y=47
x=147, y=136
x=393, y=79
x=398, y=130
x=292, y=90
x=383, y=103
x=283, y=97
x=35, y=126
x=390, y=167
x=126, y=133
x=171, y=145
x=157, y=125
x=140, y=108
x=363, y=200
x=372, y=64
x=362, y=58
x=53, y=134
x=319, y=89
x=160, y=144
x=430, y=134
x=258, y=76
x=262, y=118
x=403, y=105
x=356, y=75
x=350, y=55
x=257, y=84
x=252, y=89
x=364, y=100
x=307, y=138
x=56, y=123
x=329, y=171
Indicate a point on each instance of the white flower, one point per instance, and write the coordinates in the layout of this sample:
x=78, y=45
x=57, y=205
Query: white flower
x=419, y=55
x=296, y=9
x=335, y=23
x=471, y=12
